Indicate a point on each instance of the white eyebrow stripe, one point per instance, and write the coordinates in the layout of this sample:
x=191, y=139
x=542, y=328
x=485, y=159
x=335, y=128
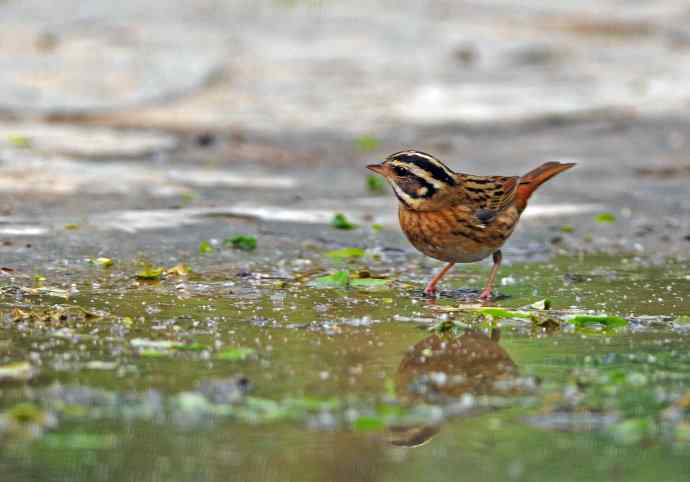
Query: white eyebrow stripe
x=419, y=172
x=431, y=159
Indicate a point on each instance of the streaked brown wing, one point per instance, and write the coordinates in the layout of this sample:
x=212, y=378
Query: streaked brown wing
x=493, y=193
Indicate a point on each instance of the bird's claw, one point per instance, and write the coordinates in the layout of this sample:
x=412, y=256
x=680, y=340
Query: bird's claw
x=431, y=292
x=485, y=295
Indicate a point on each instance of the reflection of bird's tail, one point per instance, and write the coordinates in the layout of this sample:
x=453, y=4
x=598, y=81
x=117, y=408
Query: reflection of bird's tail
x=414, y=436
x=535, y=178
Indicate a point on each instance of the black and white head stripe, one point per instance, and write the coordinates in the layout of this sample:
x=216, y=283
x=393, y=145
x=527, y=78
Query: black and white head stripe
x=425, y=166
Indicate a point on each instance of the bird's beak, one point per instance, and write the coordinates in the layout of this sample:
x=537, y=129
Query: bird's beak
x=378, y=168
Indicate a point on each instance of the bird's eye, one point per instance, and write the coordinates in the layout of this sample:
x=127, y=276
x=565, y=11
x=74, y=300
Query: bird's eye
x=400, y=171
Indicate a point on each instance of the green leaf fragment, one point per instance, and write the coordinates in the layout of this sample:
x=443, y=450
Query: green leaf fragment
x=191, y=347
x=375, y=183
x=346, y=253
x=80, y=441
x=368, y=282
x=154, y=353
x=367, y=143
x=567, y=228
x=498, y=313
x=605, y=218
x=341, y=279
x=71, y=226
x=151, y=273
x=368, y=423
x=376, y=227
x=339, y=221
x=26, y=413
x=19, y=140
x=608, y=321
x=236, y=354
x=104, y=262
x=385, y=415
x=205, y=247
x=241, y=242
x=307, y=404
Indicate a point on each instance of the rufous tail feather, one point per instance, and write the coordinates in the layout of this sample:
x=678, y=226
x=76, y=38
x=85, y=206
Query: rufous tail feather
x=535, y=178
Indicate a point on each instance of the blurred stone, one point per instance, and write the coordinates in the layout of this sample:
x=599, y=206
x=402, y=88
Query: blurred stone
x=99, y=67
x=85, y=141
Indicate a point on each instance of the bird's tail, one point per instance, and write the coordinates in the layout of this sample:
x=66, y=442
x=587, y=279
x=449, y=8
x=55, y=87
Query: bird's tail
x=535, y=178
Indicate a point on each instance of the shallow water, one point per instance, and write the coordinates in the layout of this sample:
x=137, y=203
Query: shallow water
x=266, y=376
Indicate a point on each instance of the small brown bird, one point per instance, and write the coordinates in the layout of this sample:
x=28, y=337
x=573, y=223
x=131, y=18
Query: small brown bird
x=472, y=363
x=455, y=217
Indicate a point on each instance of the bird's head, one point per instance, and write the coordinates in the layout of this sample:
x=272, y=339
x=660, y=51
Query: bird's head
x=420, y=181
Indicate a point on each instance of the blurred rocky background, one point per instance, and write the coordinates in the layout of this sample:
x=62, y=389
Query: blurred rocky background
x=149, y=117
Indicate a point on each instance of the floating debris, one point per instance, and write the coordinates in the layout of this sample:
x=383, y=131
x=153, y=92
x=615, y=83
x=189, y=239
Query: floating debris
x=344, y=253
x=241, y=242
x=605, y=218
x=179, y=269
x=151, y=273
x=604, y=320
x=104, y=262
x=205, y=247
x=339, y=221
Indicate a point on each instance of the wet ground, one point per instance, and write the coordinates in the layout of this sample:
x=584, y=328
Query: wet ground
x=177, y=304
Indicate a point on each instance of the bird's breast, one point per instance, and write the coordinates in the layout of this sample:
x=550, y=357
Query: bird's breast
x=454, y=234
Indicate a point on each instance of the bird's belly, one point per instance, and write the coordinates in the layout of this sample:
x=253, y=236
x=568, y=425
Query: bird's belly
x=453, y=236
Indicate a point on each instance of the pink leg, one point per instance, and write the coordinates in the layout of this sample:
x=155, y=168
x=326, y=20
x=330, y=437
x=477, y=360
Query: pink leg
x=486, y=292
x=430, y=289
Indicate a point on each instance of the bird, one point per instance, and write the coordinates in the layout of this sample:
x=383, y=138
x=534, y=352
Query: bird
x=472, y=364
x=456, y=217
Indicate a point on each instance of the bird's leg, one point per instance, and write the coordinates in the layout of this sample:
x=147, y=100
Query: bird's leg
x=430, y=289
x=486, y=292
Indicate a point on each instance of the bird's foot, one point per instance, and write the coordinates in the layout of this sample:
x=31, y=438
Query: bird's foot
x=431, y=291
x=485, y=295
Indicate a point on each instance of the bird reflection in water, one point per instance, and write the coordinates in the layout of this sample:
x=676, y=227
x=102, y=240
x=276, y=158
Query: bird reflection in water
x=443, y=367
